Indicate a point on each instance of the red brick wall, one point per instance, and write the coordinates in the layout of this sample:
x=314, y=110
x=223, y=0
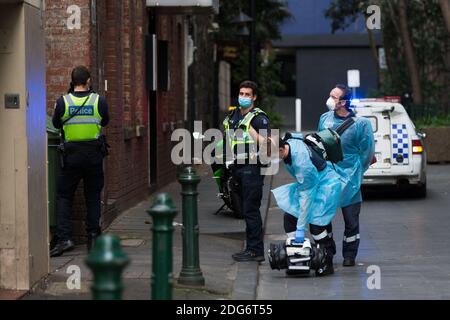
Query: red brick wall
x=64, y=48
x=171, y=103
x=124, y=68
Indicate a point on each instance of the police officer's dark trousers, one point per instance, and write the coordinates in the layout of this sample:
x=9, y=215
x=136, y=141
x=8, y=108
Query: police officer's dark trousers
x=80, y=163
x=251, y=189
x=351, y=234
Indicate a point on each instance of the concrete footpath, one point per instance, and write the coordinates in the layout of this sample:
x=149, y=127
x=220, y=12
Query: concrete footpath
x=220, y=236
x=403, y=252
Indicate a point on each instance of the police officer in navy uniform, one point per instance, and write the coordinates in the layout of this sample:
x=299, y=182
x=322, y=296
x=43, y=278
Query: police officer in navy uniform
x=80, y=114
x=245, y=170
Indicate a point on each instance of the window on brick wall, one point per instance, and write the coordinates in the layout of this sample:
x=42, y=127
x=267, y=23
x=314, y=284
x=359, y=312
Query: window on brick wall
x=163, y=66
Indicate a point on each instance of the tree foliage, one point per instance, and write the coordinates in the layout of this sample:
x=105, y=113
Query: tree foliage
x=429, y=36
x=269, y=16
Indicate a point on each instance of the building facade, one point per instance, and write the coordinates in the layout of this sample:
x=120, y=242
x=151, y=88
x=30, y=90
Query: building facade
x=23, y=180
x=153, y=64
x=315, y=59
x=142, y=59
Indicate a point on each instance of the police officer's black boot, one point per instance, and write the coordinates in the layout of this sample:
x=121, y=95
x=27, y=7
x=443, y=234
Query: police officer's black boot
x=349, y=262
x=61, y=247
x=91, y=240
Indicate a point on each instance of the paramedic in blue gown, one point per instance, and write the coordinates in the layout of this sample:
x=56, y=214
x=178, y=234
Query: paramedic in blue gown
x=358, y=147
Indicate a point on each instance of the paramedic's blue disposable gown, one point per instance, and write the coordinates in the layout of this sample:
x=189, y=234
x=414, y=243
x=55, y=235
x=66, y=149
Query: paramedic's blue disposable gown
x=358, y=146
x=314, y=196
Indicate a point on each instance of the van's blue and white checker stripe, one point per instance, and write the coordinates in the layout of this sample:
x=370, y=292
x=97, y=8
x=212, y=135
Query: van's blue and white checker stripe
x=400, y=143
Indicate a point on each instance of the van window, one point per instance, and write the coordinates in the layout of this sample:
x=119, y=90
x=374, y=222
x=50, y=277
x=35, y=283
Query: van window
x=374, y=123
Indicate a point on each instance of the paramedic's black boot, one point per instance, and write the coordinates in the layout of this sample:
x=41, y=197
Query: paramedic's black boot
x=330, y=249
x=326, y=270
x=61, y=247
x=349, y=262
x=91, y=240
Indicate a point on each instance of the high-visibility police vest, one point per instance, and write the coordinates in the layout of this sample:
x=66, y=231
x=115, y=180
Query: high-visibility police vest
x=234, y=138
x=85, y=125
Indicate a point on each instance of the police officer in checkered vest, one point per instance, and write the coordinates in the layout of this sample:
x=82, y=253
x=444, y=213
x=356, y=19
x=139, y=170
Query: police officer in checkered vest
x=80, y=114
x=358, y=146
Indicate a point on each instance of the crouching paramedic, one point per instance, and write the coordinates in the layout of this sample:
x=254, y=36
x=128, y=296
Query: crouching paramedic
x=312, y=199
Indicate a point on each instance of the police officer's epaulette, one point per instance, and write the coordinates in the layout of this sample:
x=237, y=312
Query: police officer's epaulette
x=258, y=111
x=231, y=112
x=231, y=109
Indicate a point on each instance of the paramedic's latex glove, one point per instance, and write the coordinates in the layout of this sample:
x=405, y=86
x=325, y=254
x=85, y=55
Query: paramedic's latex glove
x=300, y=235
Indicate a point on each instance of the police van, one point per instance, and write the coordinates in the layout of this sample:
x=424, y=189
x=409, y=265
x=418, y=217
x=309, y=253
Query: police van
x=399, y=148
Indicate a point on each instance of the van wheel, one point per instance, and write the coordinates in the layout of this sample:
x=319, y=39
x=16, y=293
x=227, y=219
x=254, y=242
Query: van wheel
x=420, y=191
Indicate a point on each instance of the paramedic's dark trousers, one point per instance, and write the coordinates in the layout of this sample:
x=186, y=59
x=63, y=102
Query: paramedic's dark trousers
x=351, y=234
x=322, y=235
x=86, y=166
x=251, y=189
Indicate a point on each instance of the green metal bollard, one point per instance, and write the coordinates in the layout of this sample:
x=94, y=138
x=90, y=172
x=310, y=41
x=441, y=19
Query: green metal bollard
x=163, y=211
x=107, y=261
x=191, y=274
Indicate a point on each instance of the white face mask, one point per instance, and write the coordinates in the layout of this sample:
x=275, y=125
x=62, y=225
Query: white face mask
x=331, y=104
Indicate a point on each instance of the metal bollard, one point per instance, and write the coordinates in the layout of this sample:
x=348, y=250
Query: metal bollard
x=107, y=261
x=163, y=211
x=190, y=272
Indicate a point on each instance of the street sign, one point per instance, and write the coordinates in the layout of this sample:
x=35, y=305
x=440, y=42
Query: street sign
x=353, y=80
x=230, y=52
x=382, y=59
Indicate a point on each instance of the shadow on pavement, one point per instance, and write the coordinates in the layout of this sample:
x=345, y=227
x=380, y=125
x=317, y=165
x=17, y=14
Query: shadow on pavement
x=391, y=193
